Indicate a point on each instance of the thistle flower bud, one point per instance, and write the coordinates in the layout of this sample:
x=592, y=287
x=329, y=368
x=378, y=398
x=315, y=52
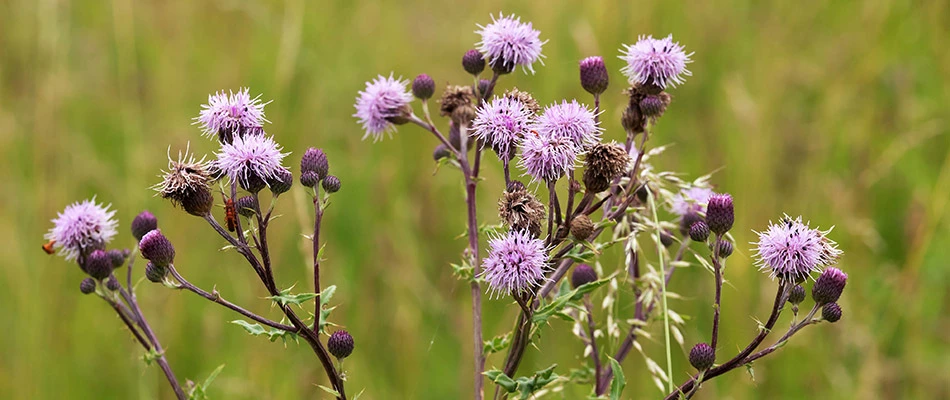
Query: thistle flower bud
x=88, y=285
x=720, y=213
x=796, y=295
x=245, y=206
x=831, y=312
x=281, y=182
x=643, y=193
x=594, y=77
x=687, y=221
x=654, y=105
x=702, y=356
x=829, y=286
x=98, y=264
x=520, y=210
x=582, y=275
x=725, y=248
x=254, y=183
x=423, y=86
x=315, y=160
x=143, y=223
x=155, y=273
x=441, y=151
x=632, y=120
x=117, y=257
x=605, y=162
x=473, y=62
x=666, y=238
x=331, y=184
x=113, y=284
x=340, y=344
x=156, y=248
x=582, y=227
x=699, y=231
x=309, y=179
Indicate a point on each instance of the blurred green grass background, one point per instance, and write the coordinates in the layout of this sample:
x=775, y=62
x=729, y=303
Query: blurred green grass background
x=834, y=110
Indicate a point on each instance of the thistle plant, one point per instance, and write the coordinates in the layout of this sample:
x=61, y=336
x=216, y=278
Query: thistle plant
x=248, y=163
x=582, y=191
x=576, y=188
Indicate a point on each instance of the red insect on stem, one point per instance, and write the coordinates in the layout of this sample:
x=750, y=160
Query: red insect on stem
x=230, y=214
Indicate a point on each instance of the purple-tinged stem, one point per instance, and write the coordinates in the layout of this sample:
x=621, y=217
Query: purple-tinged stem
x=780, y=296
x=156, y=346
x=591, y=327
x=642, y=313
x=717, y=267
x=317, y=220
x=216, y=298
x=472, y=221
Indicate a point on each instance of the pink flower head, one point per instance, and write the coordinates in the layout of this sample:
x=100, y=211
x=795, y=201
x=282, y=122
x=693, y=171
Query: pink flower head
x=227, y=113
x=515, y=263
x=251, y=158
x=546, y=157
x=383, y=99
x=791, y=250
x=660, y=62
x=572, y=121
x=507, y=42
x=82, y=227
x=691, y=199
x=501, y=123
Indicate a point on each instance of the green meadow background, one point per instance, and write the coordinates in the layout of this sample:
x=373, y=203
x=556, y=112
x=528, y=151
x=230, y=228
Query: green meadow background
x=833, y=110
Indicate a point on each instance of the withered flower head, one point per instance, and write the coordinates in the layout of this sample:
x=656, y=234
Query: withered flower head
x=525, y=98
x=520, y=210
x=186, y=183
x=456, y=102
x=605, y=161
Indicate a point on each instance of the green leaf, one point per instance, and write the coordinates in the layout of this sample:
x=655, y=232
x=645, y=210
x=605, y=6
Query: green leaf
x=200, y=392
x=150, y=356
x=527, y=385
x=285, y=297
x=496, y=344
x=330, y=391
x=325, y=297
x=618, y=382
x=555, y=306
x=272, y=333
x=502, y=380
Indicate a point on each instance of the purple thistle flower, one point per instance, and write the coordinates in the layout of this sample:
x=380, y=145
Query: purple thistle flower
x=507, y=42
x=547, y=158
x=250, y=158
x=692, y=199
x=81, y=227
x=231, y=112
x=660, y=62
x=383, y=99
x=515, y=263
x=501, y=123
x=572, y=121
x=791, y=250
